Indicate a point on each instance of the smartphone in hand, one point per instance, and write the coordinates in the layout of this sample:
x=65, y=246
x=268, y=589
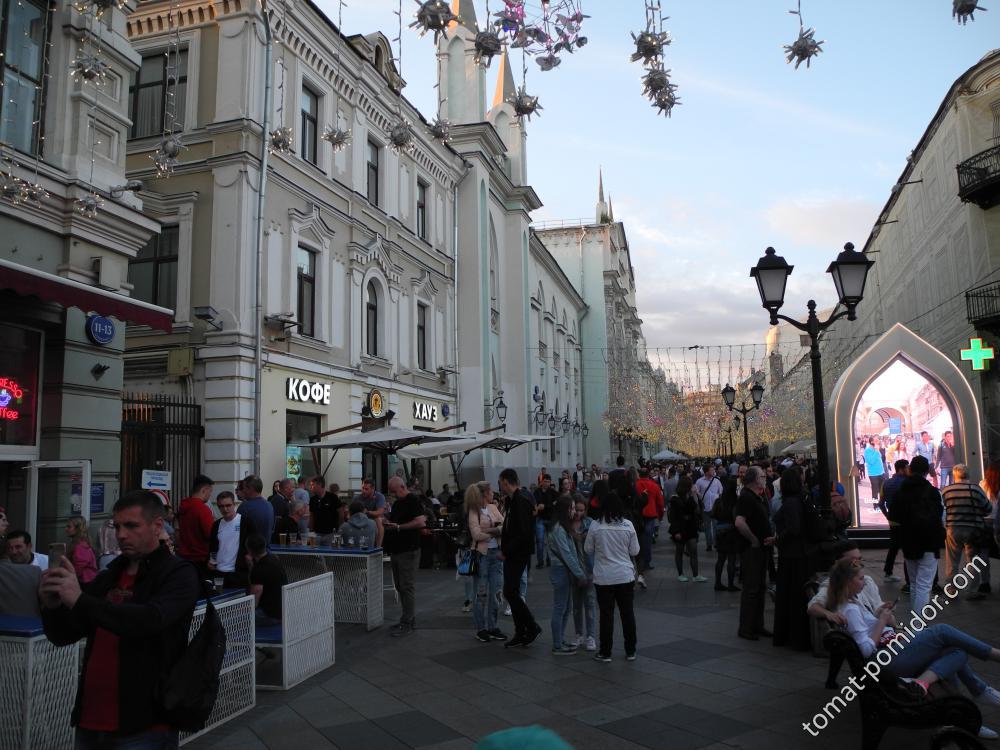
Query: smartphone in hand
x=57, y=550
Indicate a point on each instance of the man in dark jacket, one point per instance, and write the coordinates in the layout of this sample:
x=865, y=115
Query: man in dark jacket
x=756, y=539
x=545, y=503
x=515, y=549
x=917, y=509
x=135, y=616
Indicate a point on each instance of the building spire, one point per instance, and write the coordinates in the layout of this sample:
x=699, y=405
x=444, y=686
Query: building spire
x=466, y=12
x=601, y=210
x=506, y=90
x=611, y=210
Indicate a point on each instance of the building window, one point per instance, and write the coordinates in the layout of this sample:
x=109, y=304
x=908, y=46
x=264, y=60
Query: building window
x=301, y=427
x=371, y=320
x=310, y=113
x=422, y=336
x=147, y=97
x=23, y=74
x=373, y=156
x=153, y=272
x=306, y=287
x=421, y=209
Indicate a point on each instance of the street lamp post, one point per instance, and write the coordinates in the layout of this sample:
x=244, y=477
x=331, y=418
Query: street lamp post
x=756, y=396
x=849, y=272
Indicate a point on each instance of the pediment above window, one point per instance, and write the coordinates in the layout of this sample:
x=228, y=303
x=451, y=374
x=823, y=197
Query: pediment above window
x=376, y=253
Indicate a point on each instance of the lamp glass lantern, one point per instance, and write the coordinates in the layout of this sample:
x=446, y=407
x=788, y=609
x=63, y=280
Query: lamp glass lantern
x=850, y=272
x=585, y=430
x=552, y=422
x=729, y=396
x=757, y=393
x=565, y=425
x=576, y=427
x=771, y=274
x=501, y=408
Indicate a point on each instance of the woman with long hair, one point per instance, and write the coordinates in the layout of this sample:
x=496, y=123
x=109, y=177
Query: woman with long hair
x=584, y=597
x=726, y=537
x=485, y=523
x=79, y=551
x=936, y=653
x=613, y=543
x=684, y=515
x=566, y=572
x=991, y=541
x=791, y=623
x=597, y=493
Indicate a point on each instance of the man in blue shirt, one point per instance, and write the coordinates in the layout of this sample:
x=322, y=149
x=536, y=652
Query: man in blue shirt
x=256, y=508
x=925, y=448
x=875, y=469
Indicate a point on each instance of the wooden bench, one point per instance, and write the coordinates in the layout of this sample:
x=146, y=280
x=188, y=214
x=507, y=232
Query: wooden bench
x=888, y=701
x=304, y=643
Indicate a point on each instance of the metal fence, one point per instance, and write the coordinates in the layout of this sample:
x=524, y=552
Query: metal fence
x=982, y=303
x=161, y=432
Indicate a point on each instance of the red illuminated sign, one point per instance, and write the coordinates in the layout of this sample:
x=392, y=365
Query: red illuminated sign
x=10, y=393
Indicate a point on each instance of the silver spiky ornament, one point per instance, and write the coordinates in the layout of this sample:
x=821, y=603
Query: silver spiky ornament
x=401, y=137
x=441, y=129
x=89, y=68
x=100, y=6
x=337, y=137
x=433, y=16
x=165, y=158
x=655, y=80
x=33, y=192
x=281, y=141
x=487, y=46
x=964, y=10
x=89, y=205
x=649, y=45
x=803, y=49
x=524, y=104
x=666, y=99
x=12, y=188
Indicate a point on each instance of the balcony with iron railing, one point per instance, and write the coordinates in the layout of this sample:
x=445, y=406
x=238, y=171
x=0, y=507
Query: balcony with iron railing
x=982, y=304
x=979, y=178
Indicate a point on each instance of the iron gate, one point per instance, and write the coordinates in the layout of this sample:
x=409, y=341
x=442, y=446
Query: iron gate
x=163, y=432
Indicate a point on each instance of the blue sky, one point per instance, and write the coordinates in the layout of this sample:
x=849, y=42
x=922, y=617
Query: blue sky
x=756, y=154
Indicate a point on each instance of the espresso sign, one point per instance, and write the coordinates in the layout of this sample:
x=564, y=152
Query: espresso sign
x=300, y=389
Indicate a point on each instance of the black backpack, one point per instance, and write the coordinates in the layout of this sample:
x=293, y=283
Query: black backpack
x=189, y=692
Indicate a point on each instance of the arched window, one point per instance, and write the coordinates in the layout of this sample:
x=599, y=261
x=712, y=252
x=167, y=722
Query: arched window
x=371, y=320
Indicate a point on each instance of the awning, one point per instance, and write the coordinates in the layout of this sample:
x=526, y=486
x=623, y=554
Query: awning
x=30, y=282
x=386, y=439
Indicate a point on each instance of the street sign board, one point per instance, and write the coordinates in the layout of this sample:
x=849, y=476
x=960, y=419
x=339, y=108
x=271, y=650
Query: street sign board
x=155, y=480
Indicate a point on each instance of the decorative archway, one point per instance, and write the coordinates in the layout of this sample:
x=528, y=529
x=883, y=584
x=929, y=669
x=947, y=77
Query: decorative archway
x=899, y=343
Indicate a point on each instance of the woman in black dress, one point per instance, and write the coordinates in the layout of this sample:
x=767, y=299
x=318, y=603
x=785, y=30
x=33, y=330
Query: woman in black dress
x=684, y=516
x=791, y=623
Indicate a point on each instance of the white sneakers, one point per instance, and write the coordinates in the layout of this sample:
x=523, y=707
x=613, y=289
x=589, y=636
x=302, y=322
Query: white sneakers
x=641, y=580
x=683, y=579
x=989, y=697
x=891, y=578
x=590, y=644
x=700, y=579
x=985, y=733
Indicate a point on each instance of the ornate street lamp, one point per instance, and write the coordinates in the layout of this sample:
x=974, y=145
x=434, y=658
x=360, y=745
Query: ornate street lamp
x=552, y=422
x=565, y=425
x=729, y=398
x=576, y=427
x=850, y=273
x=585, y=430
x=498, y=407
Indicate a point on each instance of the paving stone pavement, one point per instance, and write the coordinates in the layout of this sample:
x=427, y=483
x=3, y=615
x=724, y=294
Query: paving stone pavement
x=694, y=684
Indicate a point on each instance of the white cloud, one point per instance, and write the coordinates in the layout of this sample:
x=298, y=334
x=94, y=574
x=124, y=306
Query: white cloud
x=822, y=221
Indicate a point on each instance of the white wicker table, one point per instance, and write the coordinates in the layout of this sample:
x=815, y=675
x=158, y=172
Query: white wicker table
x=237, y=680
x=38, y=687
x=358, y=575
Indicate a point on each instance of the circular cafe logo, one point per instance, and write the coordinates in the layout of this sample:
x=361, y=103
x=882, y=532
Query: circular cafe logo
x=376, y=403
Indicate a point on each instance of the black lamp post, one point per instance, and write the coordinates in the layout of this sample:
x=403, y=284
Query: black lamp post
x=552, y=422
x=585, y=430
x=756, y=396
x=729, y=431
x=849, y=272
x=498, y=407
x=565, y=425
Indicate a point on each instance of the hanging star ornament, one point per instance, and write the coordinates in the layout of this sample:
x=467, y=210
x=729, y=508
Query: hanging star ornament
x=487, y=46
x=656, y=80
x=281, y=141
x=33, y=192
x=964, y=10
x=649, y=46
x=666, y=99
x=12, y=188
x=803, y=49
x=89, y=68
x=433, y=16
x=89, y=205
x=165, y=158
x=525, y=105
x=401, y=137
x=441, y=129
x=336, y=137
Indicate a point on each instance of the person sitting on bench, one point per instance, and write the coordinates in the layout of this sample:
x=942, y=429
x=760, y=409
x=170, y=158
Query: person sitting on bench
x=266, y=579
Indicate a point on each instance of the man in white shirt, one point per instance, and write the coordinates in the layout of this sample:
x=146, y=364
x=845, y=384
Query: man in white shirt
x=19, y=551
x=227, y=542
x=708, y=489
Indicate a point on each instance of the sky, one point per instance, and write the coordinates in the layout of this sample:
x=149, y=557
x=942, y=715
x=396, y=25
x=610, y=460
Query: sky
x=756, y=154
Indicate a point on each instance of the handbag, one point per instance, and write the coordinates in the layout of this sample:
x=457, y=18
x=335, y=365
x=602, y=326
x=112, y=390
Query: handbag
x=468, y=562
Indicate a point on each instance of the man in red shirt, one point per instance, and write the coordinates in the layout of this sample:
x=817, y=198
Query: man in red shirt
x=196, y=519
x=651, y=497
x=135, y=616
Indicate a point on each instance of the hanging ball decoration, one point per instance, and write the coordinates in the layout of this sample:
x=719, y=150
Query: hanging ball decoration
x=171, y=145
x=12, y=189
x=441, y=129
x=166, y=155
x=656, y=80
x=89, y=69
x=433, y=16
x=281, y=141
x=33, y=192
x=524, y=104
x=649, y=46
x=803, y=49
x=336, y=137
x=964, y=10
x=665, y=100
x=89, y=205
x=487, y=45
x=548, y=62
x=401, y=137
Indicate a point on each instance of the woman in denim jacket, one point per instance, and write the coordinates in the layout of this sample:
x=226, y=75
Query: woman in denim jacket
x=584, y=598
x=565, y=574
x=485, y=522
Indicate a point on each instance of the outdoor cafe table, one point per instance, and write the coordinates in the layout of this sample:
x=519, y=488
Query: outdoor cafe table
x=37, y=686
x=357, y=572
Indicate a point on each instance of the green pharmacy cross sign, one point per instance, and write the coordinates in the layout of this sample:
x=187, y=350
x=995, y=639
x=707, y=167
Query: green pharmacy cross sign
x=978, y=354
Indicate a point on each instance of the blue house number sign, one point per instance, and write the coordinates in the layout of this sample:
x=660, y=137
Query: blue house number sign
x=100, y=330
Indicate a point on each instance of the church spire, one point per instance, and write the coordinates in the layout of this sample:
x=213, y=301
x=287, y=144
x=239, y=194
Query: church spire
x=466, y=12
x=505, y=90
x=611, y=210
x=601, y=210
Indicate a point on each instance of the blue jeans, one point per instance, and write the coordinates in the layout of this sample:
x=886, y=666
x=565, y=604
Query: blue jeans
x=944, y=650
x=88, y=739
x=489, y=581
x=540, y=552
x=709, y=530
x=470, y=588
x=585, y=611
x=646, y=543
x=946, y=477
x=562, y=585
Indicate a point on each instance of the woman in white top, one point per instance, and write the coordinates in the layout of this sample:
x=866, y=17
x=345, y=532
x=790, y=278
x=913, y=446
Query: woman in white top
x=939, y=652
x=485, y=522
x=613, y=543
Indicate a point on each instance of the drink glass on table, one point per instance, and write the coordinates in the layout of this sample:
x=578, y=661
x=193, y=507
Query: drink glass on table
x=311, y=538
x=350, y=542
x=363, y=542
x=283, y=539
x=219, y=581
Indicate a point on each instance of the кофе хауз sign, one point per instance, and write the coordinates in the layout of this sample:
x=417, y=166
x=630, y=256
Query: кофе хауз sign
x=300, y=389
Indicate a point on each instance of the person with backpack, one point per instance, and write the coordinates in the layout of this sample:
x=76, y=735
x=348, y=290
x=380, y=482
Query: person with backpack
x=727, y=544
x=918, y=511
x=135, y=617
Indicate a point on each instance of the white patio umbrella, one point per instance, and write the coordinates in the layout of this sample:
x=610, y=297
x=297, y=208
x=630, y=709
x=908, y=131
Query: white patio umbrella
x=387, y=439
x=667, y=455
